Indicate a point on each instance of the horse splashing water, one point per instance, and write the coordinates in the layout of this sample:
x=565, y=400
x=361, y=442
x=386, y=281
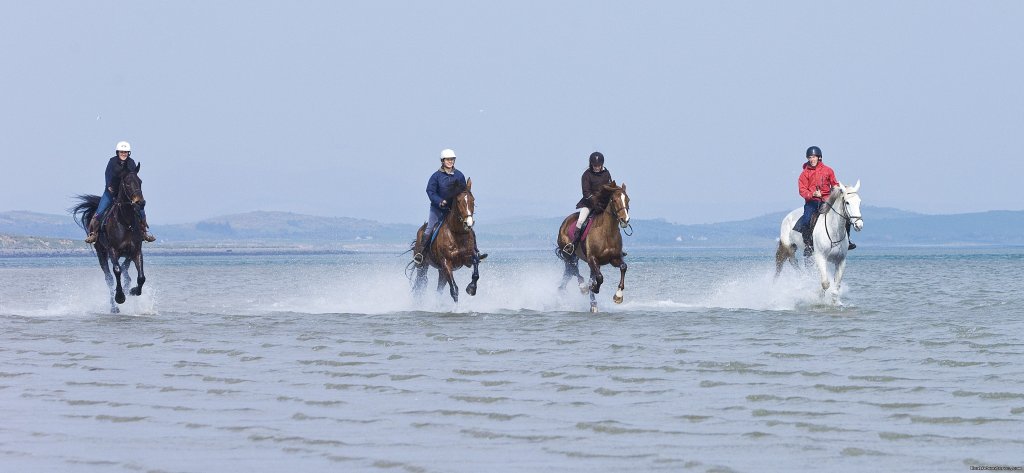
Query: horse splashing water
x=831, y=235
x=120, y=235
x=453, y=247
x=602, y=244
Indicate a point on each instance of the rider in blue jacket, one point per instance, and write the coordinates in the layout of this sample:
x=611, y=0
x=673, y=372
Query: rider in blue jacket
x=116, y=167
x=440, y=185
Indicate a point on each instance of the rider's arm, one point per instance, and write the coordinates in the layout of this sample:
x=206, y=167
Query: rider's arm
x=432, y=191
x=587, y=192
x=803, y=185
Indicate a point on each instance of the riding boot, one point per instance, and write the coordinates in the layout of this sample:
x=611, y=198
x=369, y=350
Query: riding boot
x=571, y=247
x=808, y=236
x=145, y=231
x=852, y=245
x=479, y=256
x=417, y=249
x=94, y=229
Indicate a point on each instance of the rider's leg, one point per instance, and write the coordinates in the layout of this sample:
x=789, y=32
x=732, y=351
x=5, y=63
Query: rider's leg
x=580, y=221
x=94, y=224
x=806, y=226
x=145, y=226
x=421, y=246
x=849, y=236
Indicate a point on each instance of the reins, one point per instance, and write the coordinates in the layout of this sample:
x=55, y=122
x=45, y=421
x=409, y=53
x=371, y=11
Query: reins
x=845, y=215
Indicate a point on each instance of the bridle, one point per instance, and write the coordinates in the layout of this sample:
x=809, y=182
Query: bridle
x=458, y=215
x=616, y=207
x=845, y=214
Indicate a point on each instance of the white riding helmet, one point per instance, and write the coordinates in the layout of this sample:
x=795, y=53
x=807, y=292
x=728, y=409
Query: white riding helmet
x=447, y=153
x=123, y=146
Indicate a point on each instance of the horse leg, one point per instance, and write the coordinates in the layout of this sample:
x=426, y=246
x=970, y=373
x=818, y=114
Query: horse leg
x=102, y=255
x=119, y=291
x=126, y=279
x=141, y=279
x=819, y=261
x=596, y=278
x=445, y=276
x=471, y=287
x=622, y=281
x=593, y=303
x=782, y=254
x=570, y=264
x=421, y=280
x=840, y=268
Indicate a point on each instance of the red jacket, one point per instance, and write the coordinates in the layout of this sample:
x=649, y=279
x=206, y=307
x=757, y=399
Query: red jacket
x=820, y=178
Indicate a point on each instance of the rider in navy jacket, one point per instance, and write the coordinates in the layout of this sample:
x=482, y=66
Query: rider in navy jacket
x=440, y=187
x=116, y=168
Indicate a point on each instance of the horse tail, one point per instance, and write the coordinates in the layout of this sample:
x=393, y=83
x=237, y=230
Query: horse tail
x=85, y=209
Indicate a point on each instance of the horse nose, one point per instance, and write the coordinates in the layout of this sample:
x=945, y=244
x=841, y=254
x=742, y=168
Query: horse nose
x=859, y=225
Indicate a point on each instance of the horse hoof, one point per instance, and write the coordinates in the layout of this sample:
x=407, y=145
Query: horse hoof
x=593, y=309
x=595, y=289
x=584, y=288
x=135, y=291
x=617, y=299
x=119, y=298
x=115, y=310
x=471, y=290
x=824, y=286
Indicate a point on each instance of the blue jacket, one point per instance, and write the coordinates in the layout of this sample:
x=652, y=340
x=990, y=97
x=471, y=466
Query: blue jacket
x=441, y=184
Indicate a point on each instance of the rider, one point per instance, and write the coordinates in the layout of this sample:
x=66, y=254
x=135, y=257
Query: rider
x=440, y=186
x=593, y=179
x=116, y=167
x=815, y=185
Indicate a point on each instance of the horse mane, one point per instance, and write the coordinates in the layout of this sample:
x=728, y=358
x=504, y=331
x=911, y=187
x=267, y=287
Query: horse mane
x=604, y=195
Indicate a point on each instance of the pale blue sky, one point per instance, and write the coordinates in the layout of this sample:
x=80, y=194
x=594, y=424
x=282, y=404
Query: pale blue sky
x=341, y=108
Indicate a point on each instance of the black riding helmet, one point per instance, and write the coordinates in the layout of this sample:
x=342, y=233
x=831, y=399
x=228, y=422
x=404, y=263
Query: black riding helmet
x=596, y=159
x=814, y=151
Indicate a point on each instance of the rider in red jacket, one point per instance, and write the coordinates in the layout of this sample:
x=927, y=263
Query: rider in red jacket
x=815, y=185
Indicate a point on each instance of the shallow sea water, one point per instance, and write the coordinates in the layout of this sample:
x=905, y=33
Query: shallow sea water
x=328, y=363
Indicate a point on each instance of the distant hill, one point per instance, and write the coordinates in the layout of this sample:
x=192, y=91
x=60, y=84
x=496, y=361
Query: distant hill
x=883, y=226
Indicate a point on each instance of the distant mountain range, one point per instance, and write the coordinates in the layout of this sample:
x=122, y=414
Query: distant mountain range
x=883, y=226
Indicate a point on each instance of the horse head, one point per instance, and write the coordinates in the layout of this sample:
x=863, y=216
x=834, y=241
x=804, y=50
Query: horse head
x=463, y=205
x=618, y=202
x=851, y=205
x=131, y=187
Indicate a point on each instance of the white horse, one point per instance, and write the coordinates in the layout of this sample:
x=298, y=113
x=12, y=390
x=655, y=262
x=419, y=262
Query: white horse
x=831, y=237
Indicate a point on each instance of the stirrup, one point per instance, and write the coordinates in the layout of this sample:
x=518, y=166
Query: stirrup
x=418, y=259
x=851, y=246
x=569, y=249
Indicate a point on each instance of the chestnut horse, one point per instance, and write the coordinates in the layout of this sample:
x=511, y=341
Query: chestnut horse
x=453, y=247
x=120, y=235
x=602, y=245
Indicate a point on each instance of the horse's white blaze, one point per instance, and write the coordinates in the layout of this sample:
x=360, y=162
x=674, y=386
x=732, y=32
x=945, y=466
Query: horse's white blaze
x=469, y=221
x=624, y=209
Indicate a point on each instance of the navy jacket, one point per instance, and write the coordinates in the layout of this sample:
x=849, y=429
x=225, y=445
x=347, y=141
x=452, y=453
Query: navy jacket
x=115, y=169
x=592, y=183
x=440, y=186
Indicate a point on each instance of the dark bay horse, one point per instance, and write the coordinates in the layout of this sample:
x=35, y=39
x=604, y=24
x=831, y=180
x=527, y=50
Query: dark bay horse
x=603, y=245
x=120, y=234
x=453, y=247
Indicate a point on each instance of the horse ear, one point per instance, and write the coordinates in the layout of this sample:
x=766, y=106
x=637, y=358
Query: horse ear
x=469, y=184
x=856, y=187
x=623, y=187
x=839, y=183
x=137, y=167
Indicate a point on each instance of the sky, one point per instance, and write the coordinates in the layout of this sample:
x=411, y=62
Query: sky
x=341, y=108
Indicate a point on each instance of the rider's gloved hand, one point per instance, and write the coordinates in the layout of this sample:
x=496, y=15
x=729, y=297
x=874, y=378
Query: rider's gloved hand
x=443, y=204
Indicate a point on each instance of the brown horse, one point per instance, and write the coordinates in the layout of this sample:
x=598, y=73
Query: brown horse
x=120, y=235
x=453, y=247
x=603, y=245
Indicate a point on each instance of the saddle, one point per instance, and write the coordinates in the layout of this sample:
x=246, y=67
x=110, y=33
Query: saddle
x=586, y=230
